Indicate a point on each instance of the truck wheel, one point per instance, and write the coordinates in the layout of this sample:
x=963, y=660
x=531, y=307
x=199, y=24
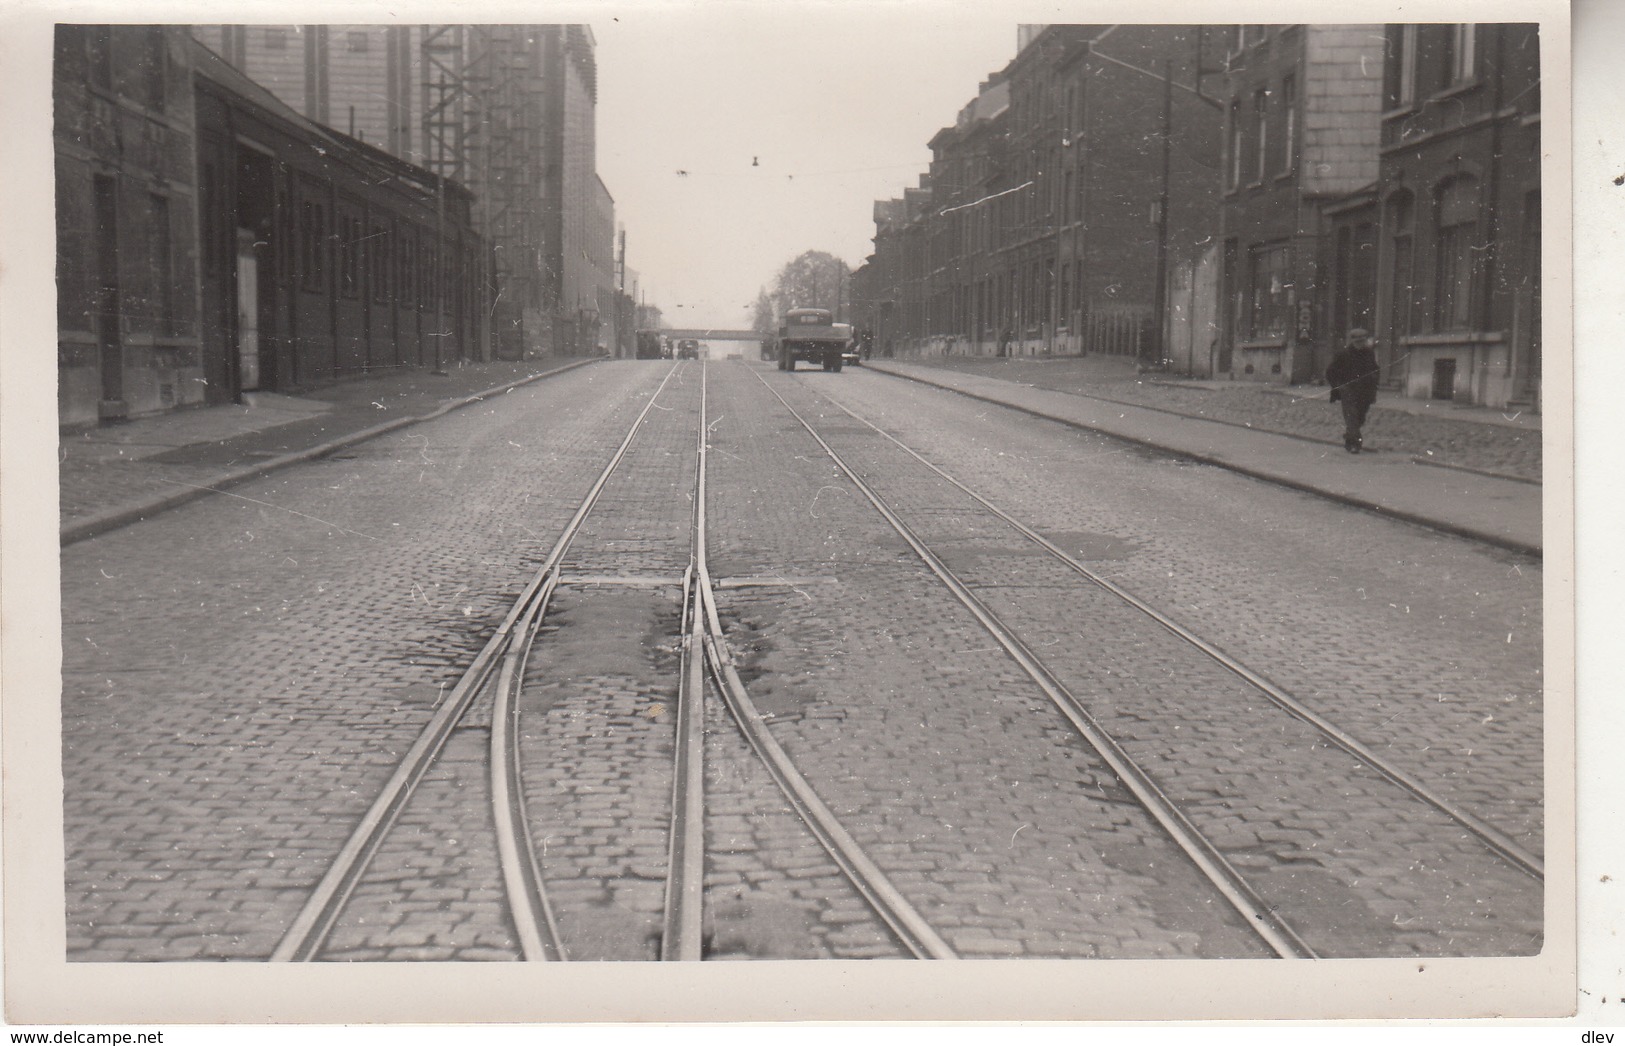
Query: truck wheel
x=837, y=366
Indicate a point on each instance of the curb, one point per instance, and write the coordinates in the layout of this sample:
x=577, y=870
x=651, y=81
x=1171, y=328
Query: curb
x=112, y=519
x=1442, y=526
x=1252, y=428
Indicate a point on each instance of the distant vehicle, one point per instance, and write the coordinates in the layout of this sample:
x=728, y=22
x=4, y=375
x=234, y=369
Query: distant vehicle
x=814, y=336
x=649, y=345
x=688, y=349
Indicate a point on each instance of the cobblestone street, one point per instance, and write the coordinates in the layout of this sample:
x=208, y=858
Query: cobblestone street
x=243, y=673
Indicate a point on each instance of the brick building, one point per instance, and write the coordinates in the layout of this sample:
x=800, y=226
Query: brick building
x=1083, y=170
x=508, y=110
x=128, y=339
x=1303, y=106
x=1456, y=211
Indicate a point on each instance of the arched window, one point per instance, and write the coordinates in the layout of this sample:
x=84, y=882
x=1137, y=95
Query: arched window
x=1456, y=220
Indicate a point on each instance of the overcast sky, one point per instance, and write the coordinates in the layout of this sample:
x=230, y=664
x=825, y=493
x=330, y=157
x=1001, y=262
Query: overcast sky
x=788, y=129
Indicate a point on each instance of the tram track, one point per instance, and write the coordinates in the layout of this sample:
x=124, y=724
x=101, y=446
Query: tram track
x=499, y=670
x=1492, y=837
x=1255, y=908
x=503, y=654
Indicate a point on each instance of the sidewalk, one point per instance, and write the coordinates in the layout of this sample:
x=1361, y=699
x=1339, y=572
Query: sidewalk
x=1479, y=439
x=1501, y=509
x=117, y=474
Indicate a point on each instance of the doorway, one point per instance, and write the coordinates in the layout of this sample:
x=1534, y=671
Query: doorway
x=248, y=313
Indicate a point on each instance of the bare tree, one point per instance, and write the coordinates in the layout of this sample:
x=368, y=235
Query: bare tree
x=765, y=319
x=812, y=280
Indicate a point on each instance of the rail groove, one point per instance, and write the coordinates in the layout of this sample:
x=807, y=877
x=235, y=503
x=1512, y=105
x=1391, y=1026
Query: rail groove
x=1258, y=914
x=303, y=940
x=884, y=899
x=1520, y=857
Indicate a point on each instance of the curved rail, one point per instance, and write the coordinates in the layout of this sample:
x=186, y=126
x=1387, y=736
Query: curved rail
x=309, y=930
x=1257, y=913
x=517, y=854
x=1521, y=858
x=704, y=632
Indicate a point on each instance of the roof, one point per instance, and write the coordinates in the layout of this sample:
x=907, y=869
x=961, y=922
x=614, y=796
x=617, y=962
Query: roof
x=207, y=64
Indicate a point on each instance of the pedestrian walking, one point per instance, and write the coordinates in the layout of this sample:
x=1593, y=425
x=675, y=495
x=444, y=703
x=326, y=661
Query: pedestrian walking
x=1353, y=375
x=1004, y=342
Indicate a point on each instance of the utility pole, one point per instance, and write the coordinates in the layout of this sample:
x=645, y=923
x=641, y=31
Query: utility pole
x=1159, y=309
x=438, y=260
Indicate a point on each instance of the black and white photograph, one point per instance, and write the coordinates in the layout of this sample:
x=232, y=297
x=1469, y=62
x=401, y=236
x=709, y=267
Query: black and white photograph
x=797, y=492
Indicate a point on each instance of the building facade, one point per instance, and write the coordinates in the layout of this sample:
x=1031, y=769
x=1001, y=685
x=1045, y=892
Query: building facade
x=1302, y=113
x=1457, y=208
x=213, y=241
x=507, y=110
x=1060, y=200
x=129, y=338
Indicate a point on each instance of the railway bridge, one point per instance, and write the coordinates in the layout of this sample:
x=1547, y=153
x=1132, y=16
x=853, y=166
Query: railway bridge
x=711, y=334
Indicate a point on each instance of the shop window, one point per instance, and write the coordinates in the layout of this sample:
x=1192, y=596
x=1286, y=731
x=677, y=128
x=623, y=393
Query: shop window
x=1270, y=291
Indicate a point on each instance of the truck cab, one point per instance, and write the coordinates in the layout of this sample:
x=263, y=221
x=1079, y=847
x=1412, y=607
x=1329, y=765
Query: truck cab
x=814, y=336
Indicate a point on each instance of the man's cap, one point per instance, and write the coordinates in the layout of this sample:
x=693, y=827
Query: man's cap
x=1359, y=334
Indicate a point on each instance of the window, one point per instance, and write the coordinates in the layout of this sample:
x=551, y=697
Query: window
x=154, y=66
x=1271, y=292
x=1399, y=73
x=99, y=53
x=1289, y=125
x=1461, y=52
x=349, y=255
x=313, y=223
x=1355, y=276
x=1261, y=100
x=159, y=267
x=1233, y=174
x=1457, y=219
x=406, y=262
x=378, y=262
x=1402, y=291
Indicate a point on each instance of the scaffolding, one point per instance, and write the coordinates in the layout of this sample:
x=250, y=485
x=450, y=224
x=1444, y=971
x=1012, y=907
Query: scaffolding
x=483, y=93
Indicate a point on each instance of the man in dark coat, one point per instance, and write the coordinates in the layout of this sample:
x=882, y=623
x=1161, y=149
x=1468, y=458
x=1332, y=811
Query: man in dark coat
x=1353, y=375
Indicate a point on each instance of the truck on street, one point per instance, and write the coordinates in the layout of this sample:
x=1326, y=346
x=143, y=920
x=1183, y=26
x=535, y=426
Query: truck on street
x=814, y=336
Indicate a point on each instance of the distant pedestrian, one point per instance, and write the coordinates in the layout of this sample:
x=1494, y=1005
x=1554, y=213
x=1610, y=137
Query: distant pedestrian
x=1353, y=375
x=1004, y=342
